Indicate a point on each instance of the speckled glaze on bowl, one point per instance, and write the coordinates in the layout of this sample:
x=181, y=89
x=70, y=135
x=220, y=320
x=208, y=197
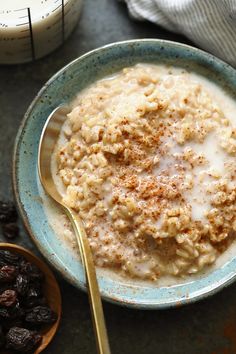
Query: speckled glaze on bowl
x=62, y=88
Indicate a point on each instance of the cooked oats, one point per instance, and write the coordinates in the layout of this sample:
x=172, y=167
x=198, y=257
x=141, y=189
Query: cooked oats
x=147, y=159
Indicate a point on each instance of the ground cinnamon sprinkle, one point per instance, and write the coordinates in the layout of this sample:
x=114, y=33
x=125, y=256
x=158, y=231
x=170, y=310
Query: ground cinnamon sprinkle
x=148, y=164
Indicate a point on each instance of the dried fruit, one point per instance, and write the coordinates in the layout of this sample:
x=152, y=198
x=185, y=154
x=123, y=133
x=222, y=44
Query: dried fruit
x=33, y=272
x=13, y=312
x=17, y=311
x=8, y=298
x=9, y=258
x=8, y=212
x=22, y=284
x=22, y=303
x=32, y=302
x=34, y=293
x=34, y=297
x=40, y=315
x=7, y=273
x=10, y=230
x=4, y=313
x=22, y=339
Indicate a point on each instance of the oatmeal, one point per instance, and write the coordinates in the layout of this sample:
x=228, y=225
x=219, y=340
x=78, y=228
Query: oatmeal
x=147, y=159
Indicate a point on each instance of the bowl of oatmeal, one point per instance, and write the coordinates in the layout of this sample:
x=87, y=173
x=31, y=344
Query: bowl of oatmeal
x=147, y=158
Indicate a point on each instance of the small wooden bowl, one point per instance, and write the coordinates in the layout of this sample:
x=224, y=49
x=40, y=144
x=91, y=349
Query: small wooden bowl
x=51, y=291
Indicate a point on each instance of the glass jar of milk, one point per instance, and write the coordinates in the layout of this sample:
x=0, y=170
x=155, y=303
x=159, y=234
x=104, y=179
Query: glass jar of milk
x=30, y=29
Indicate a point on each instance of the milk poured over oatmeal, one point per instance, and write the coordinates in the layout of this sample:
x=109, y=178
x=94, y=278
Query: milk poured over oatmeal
x=147, y=159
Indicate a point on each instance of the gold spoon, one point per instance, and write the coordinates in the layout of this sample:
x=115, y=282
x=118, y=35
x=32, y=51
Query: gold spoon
x=51, y=291
x=47, y=143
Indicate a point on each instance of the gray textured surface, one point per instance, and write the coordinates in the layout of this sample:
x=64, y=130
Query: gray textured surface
x=208, y=327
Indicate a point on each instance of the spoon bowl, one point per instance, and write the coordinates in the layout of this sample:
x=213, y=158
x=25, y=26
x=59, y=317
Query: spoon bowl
x=51, y=292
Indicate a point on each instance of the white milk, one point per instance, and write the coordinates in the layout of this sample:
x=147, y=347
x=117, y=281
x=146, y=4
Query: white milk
x=197, y=198
x=30, y=29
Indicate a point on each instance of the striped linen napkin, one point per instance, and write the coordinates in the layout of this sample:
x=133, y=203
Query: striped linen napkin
x=211, y=24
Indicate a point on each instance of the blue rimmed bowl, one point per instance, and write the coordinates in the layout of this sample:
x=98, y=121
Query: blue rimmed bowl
x=62, y=88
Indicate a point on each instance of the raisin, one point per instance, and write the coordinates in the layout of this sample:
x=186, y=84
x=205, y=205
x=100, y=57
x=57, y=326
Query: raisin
x=37, y=286
x=22, y=303
x=9, y=258
x=33, y=272
x=40, y=315
x=32, y=302
x=8, y=273
x=22, y=339
x=34, y=297
x=34, y=293
x=4, y=313
x=8, y=298
x=22, y=284
x=13, y=312
x=16, y=311
x=8, y=212
x=10, y=230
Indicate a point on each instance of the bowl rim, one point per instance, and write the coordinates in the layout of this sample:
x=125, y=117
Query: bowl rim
x=112, y=299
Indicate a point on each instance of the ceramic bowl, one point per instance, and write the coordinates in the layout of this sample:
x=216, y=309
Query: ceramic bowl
x=62, y=88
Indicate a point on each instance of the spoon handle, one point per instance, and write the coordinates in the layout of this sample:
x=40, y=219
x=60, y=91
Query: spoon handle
x=93, y=289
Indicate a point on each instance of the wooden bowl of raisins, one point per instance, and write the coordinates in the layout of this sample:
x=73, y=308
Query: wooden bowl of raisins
x=30, y=301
